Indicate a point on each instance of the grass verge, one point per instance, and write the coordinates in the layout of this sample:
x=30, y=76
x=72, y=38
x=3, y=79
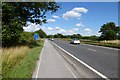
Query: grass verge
x=103, y=43
x=20, y=63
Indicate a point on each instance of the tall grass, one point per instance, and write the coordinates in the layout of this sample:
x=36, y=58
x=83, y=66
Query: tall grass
x=12, y=56
x=20, y=61
x=107, y=43
x=0, y=63
x=111, y=41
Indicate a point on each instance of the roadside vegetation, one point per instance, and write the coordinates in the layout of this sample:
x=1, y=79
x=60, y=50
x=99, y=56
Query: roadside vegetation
x=19, y=62
x=106, y=43
x=20, y=50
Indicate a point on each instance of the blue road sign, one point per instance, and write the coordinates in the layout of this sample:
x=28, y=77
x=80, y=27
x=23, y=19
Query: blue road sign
x=36, y=36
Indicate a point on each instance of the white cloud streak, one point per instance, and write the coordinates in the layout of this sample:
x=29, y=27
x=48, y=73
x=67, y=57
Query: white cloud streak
x=74, y=13
x=71, y=14
x=80, y=9
x=56, y=17
x=49, y=28
x=87, y=30
x=51, y=20
x=31, y=27
x=79, y=24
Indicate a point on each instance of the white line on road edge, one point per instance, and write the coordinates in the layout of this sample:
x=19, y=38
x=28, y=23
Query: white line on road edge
x=67, y=67
x=39, y=64
x=95, y=71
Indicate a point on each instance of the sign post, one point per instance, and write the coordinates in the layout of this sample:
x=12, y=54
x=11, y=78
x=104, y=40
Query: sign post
x=36, y=36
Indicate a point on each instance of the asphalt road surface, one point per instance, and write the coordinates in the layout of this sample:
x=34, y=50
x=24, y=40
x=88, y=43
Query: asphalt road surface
x=104, y=60
x=51, y=65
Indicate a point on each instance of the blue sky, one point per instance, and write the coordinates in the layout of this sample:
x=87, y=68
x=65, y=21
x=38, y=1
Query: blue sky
x=84, y=18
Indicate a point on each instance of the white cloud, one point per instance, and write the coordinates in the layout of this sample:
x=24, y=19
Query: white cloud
x=87, y=30
x=79, y=24
x=74, y=29
x=80, y=9
x=57, y=28
x=71, y=14
x=74, y=13
x=56, y=17
x=49, y=28
x=66, y=32
x=31, y=27
x=51, y=20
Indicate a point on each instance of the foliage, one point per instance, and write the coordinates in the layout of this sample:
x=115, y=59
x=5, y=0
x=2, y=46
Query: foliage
x=41, y=33
x=11, y=57
x=11, y=34
x=109, y=31
x=106, y=43
x=21, y=63
x=58, y=35
x=27, y=11
x=94, y=38
x=27, y=38
x=86, y=37
x=49, y=36
x=16, y=14
x=76, y=36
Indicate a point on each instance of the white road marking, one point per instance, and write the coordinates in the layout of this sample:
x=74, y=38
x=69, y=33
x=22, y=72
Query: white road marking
x=95, y=71
x=91, y=49
x=67, y=67
x=39, y=64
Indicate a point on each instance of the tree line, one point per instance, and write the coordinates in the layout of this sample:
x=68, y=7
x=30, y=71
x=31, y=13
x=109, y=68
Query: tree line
x=109, y=31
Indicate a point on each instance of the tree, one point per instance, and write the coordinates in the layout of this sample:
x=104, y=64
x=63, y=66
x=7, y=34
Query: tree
x=93, y=37
x=58, y=35
x=16, y=14
x=117, y=30
x=76, y=36
x=111, y=35
x=109, y=31
x=41, y=33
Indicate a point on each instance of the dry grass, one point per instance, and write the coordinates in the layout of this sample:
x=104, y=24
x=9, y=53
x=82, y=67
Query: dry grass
x=20, y=61
x=111, y=41
x=0, y=63
x=12, y=56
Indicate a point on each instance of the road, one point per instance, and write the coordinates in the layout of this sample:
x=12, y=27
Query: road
x=104, y=60
x=51, y=65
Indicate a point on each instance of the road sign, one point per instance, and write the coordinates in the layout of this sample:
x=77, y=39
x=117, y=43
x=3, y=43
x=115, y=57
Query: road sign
x=36, y=36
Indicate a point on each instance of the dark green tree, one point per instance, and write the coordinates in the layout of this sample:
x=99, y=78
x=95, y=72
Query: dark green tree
x=93, y=37
x=117, y=31
x=109, y=31
x=76, y=36
x=111, y=35
x=41, y=33
x=58, y=35
x=16, y=14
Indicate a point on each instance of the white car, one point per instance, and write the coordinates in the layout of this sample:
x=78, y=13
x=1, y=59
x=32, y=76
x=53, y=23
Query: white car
x=75, y=41
x=52, y=39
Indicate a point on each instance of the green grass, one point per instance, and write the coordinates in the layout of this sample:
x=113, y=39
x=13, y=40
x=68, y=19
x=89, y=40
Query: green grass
x=24, y=67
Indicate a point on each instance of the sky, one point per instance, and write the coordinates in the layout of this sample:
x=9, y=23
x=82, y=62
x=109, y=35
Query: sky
x=85, y=18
